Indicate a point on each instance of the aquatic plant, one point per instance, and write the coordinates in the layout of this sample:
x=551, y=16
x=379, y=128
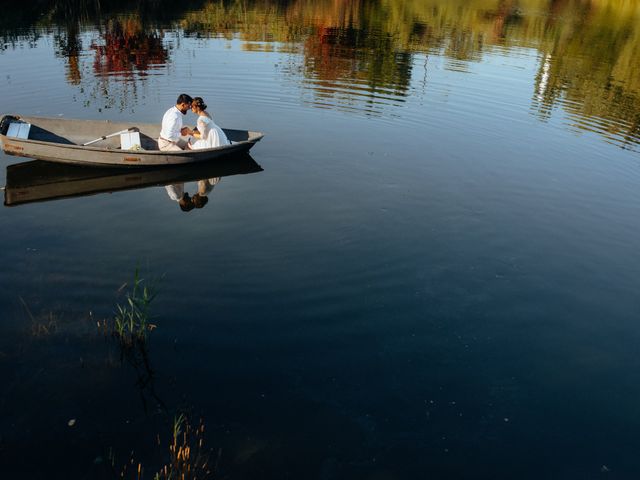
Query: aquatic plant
x=43, y=325
x=131, y=322
x=188, y=460
x=130, y=327
x=187, y=457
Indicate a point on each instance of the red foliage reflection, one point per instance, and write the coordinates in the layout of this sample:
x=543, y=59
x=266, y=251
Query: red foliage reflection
x=128, y=49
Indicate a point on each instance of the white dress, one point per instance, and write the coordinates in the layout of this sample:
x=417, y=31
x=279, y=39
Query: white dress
x=206, y=185
x=211, y=135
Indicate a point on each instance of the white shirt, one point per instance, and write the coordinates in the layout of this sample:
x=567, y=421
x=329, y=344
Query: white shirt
x=171, y=124
x=175, y=191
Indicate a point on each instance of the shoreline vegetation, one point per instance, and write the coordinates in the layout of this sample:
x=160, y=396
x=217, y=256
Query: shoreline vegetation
x=372, y=44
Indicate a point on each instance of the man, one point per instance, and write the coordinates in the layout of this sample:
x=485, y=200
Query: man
x=172, y=129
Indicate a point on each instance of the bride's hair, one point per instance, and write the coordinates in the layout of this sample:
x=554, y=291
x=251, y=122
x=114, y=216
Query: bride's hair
x=199, y=103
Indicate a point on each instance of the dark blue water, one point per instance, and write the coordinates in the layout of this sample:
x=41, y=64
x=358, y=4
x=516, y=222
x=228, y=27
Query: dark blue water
x=434, y=276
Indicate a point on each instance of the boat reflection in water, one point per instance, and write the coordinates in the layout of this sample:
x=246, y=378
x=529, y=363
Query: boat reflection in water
x=40, y=181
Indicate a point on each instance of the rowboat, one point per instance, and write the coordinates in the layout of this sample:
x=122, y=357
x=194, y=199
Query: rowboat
x=40, y=181
x=103, y=142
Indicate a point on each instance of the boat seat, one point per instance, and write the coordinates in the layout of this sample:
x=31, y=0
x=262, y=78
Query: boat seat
x=130, y=141
x=19, y=130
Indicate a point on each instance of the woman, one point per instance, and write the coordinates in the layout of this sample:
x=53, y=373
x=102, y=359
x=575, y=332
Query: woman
x=211, y=135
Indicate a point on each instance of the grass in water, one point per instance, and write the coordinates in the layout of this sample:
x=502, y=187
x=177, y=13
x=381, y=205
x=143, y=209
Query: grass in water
x=41, y=326
x=130, y=327
x=131, y=323
x=187, y=457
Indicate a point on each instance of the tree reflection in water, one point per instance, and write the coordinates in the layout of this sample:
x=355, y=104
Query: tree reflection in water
x=124, y=52
x=126, y=49
x=361, y=53
x=124, y=39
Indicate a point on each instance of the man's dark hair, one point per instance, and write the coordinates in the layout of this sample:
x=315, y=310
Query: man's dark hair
x=186, y=205
x=184, y=98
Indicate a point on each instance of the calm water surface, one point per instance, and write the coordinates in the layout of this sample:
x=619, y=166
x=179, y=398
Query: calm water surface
x=427, y=269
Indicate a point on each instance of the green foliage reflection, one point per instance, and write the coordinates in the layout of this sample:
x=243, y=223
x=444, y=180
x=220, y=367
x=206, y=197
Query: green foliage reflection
x=588, y=49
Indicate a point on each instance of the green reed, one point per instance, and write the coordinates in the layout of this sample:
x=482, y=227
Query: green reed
x=131, y=323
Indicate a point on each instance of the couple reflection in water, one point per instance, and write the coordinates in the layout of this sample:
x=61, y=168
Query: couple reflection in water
x=199, y=199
